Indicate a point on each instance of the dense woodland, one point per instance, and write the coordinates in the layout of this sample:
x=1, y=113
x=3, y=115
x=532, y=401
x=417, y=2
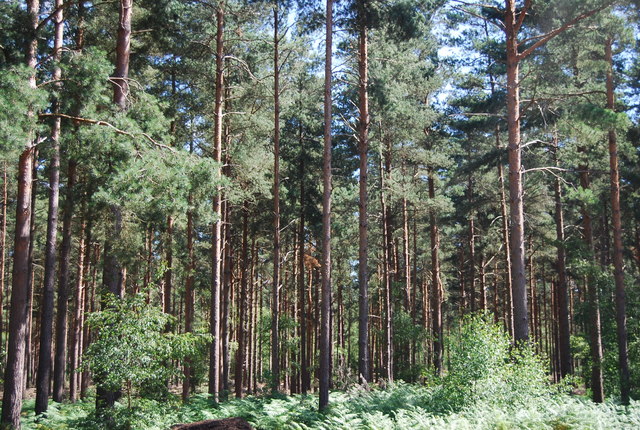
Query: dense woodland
x=290, y=197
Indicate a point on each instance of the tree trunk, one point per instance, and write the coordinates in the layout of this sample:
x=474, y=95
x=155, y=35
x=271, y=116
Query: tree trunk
x=364, y=366
x=216, y=237
x=325, y=342
x=46, y=319
x=275, y=299
x=226, y=297
x=305, y=380
x=14, y=370
x=472, y=247
x=616, y=222
x=436, y=284
x=120, y=77
x=112, y=275
x=3, y=244
x=407, y=263
x=188, y=299
x=63, y=286
x=516, y=206
x=563, y=296
x=508, y=305
x=385, y=169
x=513, y=20
x=29, y=352
x=168, y=273
x=243, y=304
x=595, y=334
x=483, y=285
x=89, y=306
x=76, y=334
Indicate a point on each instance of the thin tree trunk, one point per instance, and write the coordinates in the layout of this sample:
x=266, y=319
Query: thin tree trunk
x=364, y=365
x=76, y=334
x=305, y=379
x=386, y=275
x=3, y=244
x=563, y=296
x=325, y=342
x=595, y=334
x=63, y=287
x=168, y=273
x=436, y=285
x=89, y=306
x=275, y=300
x=46, y=318
x=407, y=263
x=243, y=303
x=508, y=305
x=188, y=299
x=483, y=285
x=472, y=248
x=250, y=361
x=216, y=237
x=227, y=294
x=616, y=222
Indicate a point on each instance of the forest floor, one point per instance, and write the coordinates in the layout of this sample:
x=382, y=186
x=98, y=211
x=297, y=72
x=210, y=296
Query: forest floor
x=400, y=406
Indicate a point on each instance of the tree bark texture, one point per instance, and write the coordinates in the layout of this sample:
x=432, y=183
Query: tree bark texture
x=216, y=245
x=364, y=365
x=563, y=295
x=616, y=223
x=275, y=298
x=46, y=318
x=325, y=322
x=14, y=370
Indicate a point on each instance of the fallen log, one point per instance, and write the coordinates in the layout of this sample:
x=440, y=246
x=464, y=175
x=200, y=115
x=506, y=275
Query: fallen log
x=226, y=424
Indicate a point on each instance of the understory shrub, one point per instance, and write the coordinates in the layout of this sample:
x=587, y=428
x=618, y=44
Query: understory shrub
x=485, y=368
x=488, y=385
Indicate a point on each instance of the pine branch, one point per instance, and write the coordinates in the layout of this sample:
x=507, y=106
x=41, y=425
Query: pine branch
x=523, y=15
x=553, y=33
x=109, y=125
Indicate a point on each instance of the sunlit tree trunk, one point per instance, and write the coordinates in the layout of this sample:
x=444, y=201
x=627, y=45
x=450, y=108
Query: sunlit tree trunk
x=112, y=277
x=275, y=298
x=616, y=222
x=216, y=237
x=46, y=318
x=325, y=323
x=14, y=370
x=364, y=365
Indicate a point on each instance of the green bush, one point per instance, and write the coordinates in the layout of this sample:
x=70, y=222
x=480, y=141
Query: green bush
x=485, y=368
x=133, y=348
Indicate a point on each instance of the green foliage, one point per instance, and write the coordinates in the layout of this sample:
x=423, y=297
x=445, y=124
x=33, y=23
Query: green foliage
x=133, y=348
x=400, y=406
x=485, y=368
x=17, y=98
x=489, y=386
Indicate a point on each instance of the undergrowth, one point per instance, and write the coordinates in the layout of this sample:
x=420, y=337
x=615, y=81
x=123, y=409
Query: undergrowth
x=399, y=406
x=489, y=385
